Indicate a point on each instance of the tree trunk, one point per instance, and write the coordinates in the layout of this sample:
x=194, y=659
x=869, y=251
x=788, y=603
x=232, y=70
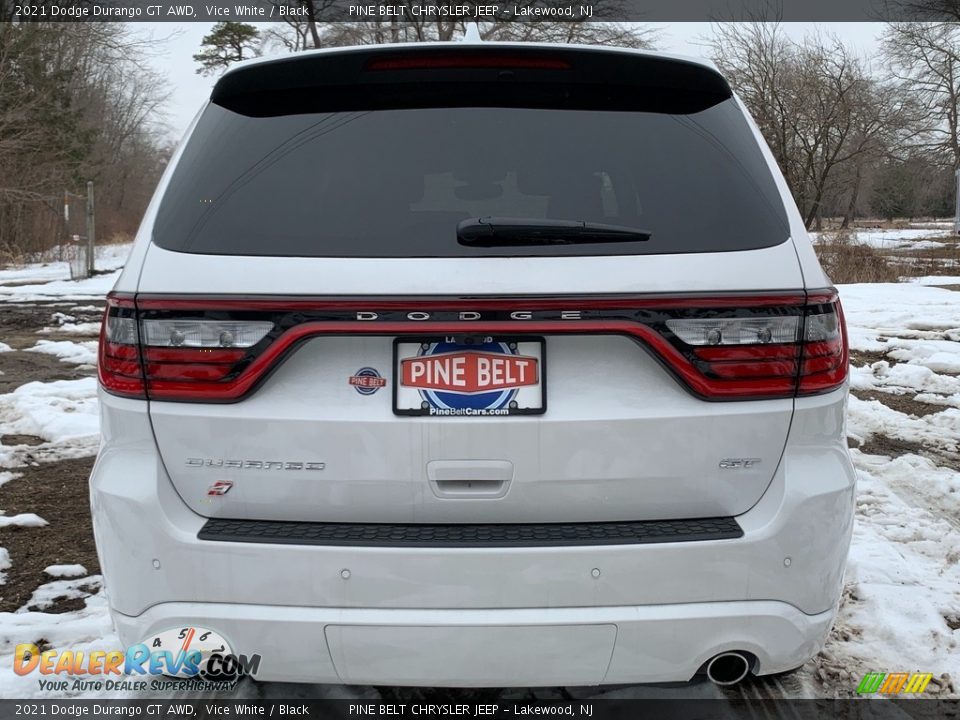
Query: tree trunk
x=312, y=23
x=852, y=205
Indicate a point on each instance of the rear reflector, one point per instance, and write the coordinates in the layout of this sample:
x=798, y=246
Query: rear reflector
x=725, y=347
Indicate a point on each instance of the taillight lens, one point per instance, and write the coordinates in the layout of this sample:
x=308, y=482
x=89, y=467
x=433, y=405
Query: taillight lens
x=825, y=360
x=180, y=358
x=195, y=357
x=763, y=352
x=728, y=347
x=119, y=357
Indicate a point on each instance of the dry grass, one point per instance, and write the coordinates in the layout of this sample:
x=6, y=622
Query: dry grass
x=10, y=255
x=845, y=261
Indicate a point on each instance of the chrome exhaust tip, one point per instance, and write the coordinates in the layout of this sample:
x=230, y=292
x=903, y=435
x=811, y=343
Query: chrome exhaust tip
x=728, y=668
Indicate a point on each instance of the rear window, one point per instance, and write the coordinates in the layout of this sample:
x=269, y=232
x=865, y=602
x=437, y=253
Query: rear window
x=396, y=182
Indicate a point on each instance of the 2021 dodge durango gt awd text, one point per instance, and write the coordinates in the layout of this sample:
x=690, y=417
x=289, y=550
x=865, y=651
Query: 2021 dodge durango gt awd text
x=476, y=365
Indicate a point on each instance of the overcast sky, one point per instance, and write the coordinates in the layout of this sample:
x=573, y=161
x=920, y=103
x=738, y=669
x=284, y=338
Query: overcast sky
x=176, y=43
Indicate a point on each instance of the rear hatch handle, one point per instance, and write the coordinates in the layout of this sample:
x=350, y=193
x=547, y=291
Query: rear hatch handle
x=469, y=478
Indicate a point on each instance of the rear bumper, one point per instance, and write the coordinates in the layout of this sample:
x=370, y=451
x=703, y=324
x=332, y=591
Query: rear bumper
x=655, y=612
x=496, y=648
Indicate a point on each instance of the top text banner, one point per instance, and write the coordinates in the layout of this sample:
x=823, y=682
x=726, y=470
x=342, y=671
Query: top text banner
x=432, y=11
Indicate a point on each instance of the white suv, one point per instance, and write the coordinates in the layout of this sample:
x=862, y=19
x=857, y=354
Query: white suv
x=328, y=431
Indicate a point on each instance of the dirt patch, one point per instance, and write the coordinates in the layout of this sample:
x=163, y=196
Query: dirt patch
x=883, y=445
x=895, y=447
x=859, y=358
x=69, y=604
x=57, y=492
x=901, y=403
x=19, y=368
x=11, y=440
x=19, y=323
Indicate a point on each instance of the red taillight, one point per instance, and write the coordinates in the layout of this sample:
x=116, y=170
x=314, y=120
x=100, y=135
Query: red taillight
x=186, y=357
x=467, y=61
x=725, y=347
x=776, y=351
x=119, y=355
x=825, y=358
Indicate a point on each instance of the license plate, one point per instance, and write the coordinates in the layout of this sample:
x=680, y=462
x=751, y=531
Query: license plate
x=475, y=376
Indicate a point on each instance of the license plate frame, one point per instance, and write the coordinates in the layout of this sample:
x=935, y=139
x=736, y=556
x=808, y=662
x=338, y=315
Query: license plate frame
x=431, y=400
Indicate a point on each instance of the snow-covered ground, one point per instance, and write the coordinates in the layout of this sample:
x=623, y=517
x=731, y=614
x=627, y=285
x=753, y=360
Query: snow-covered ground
x=894, y=239
x=901, y=608
x=51, y=281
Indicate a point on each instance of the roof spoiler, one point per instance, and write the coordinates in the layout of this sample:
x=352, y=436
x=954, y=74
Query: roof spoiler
x=470, y=74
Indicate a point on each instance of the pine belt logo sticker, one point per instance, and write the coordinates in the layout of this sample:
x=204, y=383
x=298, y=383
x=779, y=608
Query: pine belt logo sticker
x=894, y=683
x=367, y=380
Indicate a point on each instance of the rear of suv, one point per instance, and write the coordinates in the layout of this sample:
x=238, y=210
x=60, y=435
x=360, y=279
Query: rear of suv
x=476, y=365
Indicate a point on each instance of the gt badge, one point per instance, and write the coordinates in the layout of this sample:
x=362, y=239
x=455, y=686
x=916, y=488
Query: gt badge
x=220, y=487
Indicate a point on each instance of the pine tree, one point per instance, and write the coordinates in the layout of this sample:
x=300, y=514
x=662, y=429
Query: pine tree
x=227, y=43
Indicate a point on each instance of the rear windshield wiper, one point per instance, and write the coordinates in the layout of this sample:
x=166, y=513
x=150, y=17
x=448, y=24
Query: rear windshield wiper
x=509, y=232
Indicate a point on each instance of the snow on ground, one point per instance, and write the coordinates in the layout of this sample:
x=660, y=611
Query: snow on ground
x=94, y=288
x=68, y=325
x=869, y=418
x=880, y=313
x=48, y=281
x=69, y=328
x=934, y=280
x=35, y=273
x=22, y=520
x=66, y=571
x=79, y=353
x=4, y=565
x=903, y=575
x=933, y=224
x=87, y=629
x=897, y=238
x=6, y=476
x=913, y=238
x=63, y=412
x=48, y=593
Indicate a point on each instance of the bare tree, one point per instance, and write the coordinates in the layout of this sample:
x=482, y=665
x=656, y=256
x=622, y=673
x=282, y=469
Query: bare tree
x=814, y=101
x=77, y=102
x=924, y=58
